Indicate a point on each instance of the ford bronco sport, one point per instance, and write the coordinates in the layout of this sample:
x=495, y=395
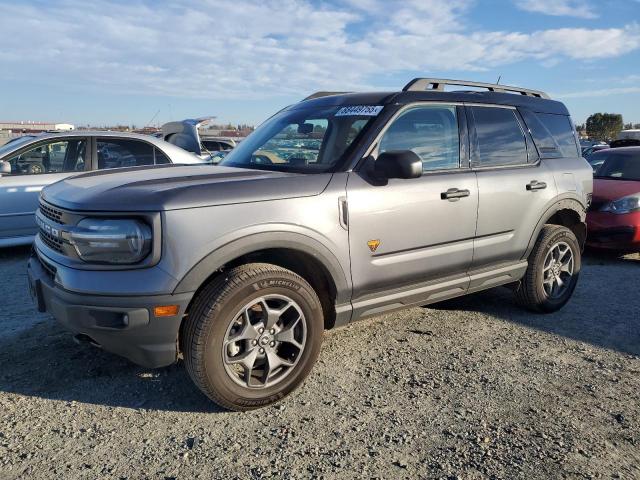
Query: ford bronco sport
x=337, y=208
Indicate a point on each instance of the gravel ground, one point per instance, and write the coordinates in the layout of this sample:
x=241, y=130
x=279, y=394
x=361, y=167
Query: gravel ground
x=472, y=388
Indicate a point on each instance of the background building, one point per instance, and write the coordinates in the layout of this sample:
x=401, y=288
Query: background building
x=9, y=130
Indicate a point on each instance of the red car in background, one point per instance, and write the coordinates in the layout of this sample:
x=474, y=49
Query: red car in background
x=613, y=220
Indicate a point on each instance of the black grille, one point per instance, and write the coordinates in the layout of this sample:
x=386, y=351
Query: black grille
x=50, y=270
x=50, y=212
x=51, y=241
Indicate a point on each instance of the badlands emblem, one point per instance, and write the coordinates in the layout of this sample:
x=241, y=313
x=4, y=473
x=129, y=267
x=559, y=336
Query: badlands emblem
x=373, y=245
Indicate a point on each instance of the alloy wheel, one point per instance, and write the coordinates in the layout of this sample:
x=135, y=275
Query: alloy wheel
x=265, y=341
x=558, y=270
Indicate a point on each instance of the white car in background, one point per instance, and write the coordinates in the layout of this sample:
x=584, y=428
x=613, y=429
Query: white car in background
x=632, y=134
x=29, y=163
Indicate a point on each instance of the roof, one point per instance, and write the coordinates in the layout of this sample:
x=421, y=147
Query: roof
x=535, y=103
x=177, y=154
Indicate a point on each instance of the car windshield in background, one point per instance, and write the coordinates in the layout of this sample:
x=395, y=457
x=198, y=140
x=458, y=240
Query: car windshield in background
x=597, y=159
x=620, y=167
x=14, y=144
x=306, y=141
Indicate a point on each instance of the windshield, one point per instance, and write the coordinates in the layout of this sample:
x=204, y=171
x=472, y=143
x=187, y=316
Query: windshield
x=620, y=167
x=597, y=159
x=15, y=143
x=309, y=140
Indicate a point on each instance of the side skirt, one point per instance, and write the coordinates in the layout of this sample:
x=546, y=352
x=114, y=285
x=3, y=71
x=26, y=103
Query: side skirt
x=432, y=292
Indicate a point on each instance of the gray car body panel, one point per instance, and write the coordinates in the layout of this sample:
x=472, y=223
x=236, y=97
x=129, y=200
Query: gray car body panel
x=429, y=248
x=171, y=187
x=306, y=224
x=504, y=236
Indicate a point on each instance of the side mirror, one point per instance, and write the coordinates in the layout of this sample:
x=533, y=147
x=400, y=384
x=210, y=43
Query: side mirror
x=5, y=168
x=398, y=164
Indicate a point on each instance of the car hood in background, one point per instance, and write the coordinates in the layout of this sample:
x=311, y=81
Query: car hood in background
x=170, y=187
x=605, y=190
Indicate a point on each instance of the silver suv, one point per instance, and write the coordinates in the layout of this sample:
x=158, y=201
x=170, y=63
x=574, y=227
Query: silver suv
x=340, y=207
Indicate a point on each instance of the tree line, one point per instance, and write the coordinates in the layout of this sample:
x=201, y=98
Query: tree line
x=605, y=126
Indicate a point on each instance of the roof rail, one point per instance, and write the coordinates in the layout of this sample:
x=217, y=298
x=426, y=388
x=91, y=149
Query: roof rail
x=322, y=94
x=421, y=84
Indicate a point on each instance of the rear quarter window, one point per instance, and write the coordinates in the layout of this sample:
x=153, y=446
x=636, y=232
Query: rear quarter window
x=553, y=134
x=160, y=157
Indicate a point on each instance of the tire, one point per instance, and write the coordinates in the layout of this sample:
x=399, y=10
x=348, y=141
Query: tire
x=35, y=168
x=231, y=309
x=534, y=293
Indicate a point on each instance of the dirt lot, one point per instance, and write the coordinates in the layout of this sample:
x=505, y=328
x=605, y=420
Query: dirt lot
x=474, y=388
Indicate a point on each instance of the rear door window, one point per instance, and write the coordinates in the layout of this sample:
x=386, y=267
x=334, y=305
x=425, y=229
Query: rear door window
x=499, y=138
x=120, y=153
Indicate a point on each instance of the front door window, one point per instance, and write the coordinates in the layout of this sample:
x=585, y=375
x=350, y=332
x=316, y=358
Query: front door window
x=51, y=157
x=431, y=132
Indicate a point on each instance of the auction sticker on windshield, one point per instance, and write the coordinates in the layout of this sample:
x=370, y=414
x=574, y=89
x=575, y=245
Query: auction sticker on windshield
x=359, y=110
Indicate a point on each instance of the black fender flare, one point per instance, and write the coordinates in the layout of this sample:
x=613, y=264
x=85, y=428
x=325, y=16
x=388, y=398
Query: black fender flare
x=215, y=260
x=567, y=203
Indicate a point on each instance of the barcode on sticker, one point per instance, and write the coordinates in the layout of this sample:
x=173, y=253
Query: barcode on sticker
x=361, y=110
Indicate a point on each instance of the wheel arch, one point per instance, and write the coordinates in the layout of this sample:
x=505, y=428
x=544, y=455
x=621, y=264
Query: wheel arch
x=568, y=212
x=302, y=254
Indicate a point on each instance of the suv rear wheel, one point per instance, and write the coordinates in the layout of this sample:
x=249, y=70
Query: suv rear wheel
x=252, y=336
x=552, y=275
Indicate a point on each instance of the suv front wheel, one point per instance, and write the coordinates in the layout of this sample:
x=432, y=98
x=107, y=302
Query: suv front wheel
x=252, y=335
x=552, y=275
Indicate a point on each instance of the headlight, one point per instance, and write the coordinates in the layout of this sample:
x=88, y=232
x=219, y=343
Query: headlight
x=117, y=241
x=627, y=204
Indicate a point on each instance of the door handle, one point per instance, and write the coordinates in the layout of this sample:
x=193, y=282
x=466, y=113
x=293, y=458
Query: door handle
x=453, y=194
x=536, y=185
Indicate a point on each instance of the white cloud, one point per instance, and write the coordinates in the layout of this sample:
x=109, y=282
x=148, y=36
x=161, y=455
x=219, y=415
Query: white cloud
x=560, y=8
x=232, y=49
x=605, y=92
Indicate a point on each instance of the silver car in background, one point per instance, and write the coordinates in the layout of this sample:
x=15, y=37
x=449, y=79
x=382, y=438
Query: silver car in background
x=29, y=163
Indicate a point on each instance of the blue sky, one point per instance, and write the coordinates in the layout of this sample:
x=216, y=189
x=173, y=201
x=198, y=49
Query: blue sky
x=107, y=61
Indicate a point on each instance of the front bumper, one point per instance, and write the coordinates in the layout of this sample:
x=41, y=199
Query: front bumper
x=122, y=325
x=613, y=231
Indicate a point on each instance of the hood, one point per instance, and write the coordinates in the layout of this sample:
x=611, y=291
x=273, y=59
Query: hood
x=170, y=187
x=184, y=134
x=605, y=190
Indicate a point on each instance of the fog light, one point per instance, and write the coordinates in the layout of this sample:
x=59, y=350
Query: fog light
x=166, y=310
